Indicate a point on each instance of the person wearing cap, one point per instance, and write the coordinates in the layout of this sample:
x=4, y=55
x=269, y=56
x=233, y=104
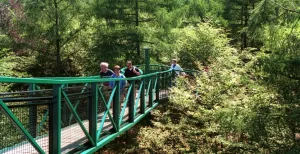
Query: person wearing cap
x=176, y=67
x=117, y=74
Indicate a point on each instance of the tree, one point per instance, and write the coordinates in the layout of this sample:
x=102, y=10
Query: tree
x=50, y=34
x=125, y=26
x=237, y=13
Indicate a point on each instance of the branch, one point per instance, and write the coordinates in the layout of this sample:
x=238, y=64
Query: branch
x=59, y=1
x=146, y=20
x=287, y=9
x=290, y=77
x=147, y=42
x=72, y=34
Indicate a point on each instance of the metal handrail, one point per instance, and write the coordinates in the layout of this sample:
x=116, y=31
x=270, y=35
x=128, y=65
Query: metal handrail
x=150, y=87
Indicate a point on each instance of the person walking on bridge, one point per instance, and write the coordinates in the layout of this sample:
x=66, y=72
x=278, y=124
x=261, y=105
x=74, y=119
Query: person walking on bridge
x=176, y=67
x=105, y=73
x=132, y=71
x=117, y=74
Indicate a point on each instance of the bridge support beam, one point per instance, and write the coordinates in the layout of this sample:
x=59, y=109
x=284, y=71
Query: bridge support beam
x=55, y=121
x=172, y=79
x=150, y=100
x=32, y=113
x=132, y=102
x=150, y=91
x=93, y=108
x=116, y=106
x=143, y=101
x=157, y=88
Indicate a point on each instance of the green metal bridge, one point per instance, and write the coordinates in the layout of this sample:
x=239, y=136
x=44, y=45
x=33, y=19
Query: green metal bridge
x=76, y=114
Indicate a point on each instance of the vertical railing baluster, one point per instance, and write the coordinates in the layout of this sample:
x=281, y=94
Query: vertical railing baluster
x=116, y=106
x=32, y=113
x=164, y=84
x=151, y=91
x=93, y=109
x=55, y=121
x=157, y=90
x=143, y=102
x=65, y=110
x=132, y=102
x=172, y=78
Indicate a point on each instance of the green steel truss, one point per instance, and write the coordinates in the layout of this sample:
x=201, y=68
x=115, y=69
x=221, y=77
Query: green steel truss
x=72, y=95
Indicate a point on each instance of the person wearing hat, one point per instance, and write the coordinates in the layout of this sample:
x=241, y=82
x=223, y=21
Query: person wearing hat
x=117, y=74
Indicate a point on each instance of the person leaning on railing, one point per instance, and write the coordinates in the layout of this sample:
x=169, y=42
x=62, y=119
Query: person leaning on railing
x=176, y=67
x=117, y=74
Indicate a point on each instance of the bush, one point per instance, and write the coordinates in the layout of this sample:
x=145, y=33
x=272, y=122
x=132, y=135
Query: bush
x=230, y=109
x=196, y=45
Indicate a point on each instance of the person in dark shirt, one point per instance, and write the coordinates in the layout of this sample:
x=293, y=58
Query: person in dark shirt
x=131, y=71
x=104, y=71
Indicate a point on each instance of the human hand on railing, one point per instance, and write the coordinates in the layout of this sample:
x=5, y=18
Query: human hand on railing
x=136, y=72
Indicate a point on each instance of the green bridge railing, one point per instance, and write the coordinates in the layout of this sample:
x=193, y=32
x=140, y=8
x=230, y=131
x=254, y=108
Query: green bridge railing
x=76, y=114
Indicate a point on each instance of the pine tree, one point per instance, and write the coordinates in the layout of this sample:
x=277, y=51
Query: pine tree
x=237, y=12
x=47, y=29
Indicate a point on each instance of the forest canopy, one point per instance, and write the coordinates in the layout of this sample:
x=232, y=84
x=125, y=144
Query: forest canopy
x=248, y=101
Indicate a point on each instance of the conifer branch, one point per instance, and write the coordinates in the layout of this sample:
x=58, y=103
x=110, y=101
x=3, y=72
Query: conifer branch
x=287, y=9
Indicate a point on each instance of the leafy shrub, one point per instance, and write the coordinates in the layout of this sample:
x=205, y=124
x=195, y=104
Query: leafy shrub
x=198, y=44
x=231, y=109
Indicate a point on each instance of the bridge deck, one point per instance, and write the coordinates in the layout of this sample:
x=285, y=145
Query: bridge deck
x=71, y=136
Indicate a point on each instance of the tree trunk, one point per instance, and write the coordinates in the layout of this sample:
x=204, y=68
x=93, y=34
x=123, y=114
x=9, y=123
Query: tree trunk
x=57, y=40
x=242, y=22
x=245, y=25
x=245, y=18
x=252, y=39
x=138, y=51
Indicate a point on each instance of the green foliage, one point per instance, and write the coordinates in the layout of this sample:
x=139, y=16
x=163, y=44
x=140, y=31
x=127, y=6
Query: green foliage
x=242, y=105
x=51, y=33
x=201, y=43
x=246, y=103
x=71, y=38
x=10, y=64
